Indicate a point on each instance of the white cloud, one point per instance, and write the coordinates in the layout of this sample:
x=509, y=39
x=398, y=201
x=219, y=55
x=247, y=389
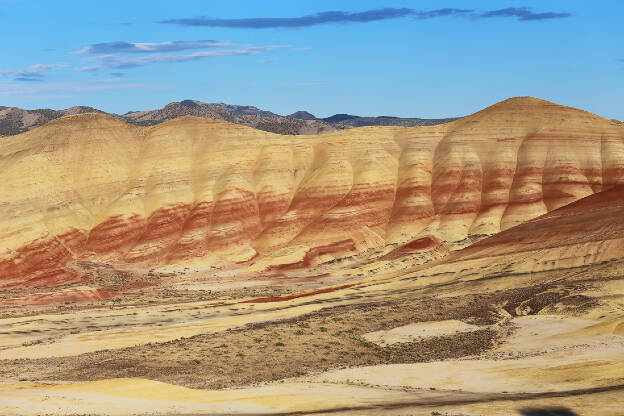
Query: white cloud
x=151, y=47
x=116, y=61
x=33, y=72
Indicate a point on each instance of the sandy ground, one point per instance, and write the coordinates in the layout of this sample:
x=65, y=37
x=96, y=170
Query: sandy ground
x=478, y=336
x=546, y=354
x=137, y=396
x=573, y=356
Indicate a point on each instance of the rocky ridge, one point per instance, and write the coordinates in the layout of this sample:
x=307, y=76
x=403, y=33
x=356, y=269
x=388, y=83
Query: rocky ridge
x=14, y=120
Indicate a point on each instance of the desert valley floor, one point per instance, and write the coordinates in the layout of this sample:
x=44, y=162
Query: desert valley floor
x=200, y=267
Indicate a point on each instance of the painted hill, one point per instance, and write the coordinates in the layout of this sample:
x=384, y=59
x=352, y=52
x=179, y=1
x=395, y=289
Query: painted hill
x=201, y=266
x=201, y=192
x=570, y=243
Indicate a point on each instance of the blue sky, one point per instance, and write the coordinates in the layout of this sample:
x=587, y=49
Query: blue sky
x=403, y=58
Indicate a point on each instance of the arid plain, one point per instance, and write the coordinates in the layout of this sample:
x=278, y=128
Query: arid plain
x=201, y=267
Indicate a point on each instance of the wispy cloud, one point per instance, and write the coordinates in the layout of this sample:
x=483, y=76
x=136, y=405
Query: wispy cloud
x=295, y=22
x=27, y=79
x=32, y=73
x=116, y=61
x=146, y=47
x=521, y=13
x=432, y=14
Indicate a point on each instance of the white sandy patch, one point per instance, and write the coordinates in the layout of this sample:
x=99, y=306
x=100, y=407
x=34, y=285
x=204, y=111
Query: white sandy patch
x=417, y=331
x=546, y=353
x=220, y=286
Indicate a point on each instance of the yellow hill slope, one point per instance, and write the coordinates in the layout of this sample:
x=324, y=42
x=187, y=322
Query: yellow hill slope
x=207, y=192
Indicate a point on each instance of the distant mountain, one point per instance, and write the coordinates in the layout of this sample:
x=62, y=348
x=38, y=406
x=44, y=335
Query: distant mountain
x=339, y=117
x=345, y=121
x=239, y=114
x=303, y=115
x=245, y=110
x=15, y=120
x=355, y=121
x=190, y=103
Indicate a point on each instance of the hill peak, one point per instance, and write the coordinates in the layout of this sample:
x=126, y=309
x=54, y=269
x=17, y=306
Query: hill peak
x=303, y=115
x=523, y=101
x=340, y=117
x=534, y=108
x=95, y=119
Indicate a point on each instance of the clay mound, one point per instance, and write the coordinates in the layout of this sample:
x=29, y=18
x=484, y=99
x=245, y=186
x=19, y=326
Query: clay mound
x=201, y=192
x=418, y=246
x=578, y=237
x=593, y=220
x=69, y=295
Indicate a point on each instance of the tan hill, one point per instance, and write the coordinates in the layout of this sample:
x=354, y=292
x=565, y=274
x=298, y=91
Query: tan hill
x=580, y=244
x=194, y=192
x=203, y=267
x=588, y=231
